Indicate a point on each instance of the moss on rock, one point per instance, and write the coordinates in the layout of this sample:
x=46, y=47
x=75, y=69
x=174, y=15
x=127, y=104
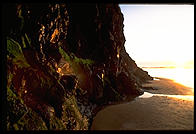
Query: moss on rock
x=14, y=48
x=30, y=121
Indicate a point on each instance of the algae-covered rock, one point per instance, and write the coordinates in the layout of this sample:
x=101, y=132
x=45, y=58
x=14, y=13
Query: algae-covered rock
x=20, y=117
x=30, y=121
x=72, y=117
x=16, y=108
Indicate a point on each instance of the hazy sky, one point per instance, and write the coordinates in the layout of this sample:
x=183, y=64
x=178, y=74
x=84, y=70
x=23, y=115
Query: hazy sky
x=158, y=35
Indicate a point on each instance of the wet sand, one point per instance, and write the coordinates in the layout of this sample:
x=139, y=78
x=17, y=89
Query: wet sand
x=154, y=113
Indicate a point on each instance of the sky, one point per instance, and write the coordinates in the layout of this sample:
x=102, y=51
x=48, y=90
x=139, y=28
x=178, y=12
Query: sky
x=159, y=35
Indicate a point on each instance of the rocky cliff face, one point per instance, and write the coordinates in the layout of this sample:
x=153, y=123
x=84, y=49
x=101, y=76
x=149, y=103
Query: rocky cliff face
x=65, y=61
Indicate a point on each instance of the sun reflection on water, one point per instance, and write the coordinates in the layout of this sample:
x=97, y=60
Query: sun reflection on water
x=183, y=76
x=182, y=97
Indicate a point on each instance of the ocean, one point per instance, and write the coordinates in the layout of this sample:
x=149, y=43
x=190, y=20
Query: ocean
x=184, y=76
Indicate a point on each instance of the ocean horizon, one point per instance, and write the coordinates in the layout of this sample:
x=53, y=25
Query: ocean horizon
x=184, y=76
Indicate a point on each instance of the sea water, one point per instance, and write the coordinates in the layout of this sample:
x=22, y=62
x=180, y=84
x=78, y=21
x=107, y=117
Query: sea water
x=184, y=76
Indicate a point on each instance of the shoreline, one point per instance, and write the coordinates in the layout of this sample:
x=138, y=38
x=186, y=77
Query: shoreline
x=154, y=113
x=167, y=86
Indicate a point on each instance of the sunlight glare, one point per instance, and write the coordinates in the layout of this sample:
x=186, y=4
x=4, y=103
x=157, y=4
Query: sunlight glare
x=182, y=97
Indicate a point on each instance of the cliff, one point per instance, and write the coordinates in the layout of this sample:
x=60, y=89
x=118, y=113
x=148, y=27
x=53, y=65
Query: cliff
x=64, y=62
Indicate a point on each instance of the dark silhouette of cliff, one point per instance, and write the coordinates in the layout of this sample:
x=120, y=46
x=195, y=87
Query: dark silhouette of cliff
x=65, y=61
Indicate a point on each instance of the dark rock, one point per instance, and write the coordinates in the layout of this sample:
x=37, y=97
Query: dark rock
x=149, y=88
x=84, y=32
x=126, y=85
x=31, y=56
x=69, y=82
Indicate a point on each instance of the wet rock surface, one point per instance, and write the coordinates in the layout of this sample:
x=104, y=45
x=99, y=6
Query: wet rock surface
x=66, y=61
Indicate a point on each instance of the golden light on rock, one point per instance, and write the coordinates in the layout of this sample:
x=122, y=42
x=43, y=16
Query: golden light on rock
x=55, y=33
x=118, y=55
x=23, y=82
x=42, y=29
x=64, y=68
x=118, y=52
x=102, y=75
x=59, y=70
x=56, y=65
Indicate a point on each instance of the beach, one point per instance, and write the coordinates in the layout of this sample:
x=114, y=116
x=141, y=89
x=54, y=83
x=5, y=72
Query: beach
x=151, y=113
x=168, y=86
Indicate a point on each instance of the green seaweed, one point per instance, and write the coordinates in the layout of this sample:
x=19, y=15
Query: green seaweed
x=28, y=39
x=22, y=19
x=15, y=49
x=74, y=58
x=9, y=79
x=23, y=42
x=81, y=60
x=64, y=54
x=25, y=45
